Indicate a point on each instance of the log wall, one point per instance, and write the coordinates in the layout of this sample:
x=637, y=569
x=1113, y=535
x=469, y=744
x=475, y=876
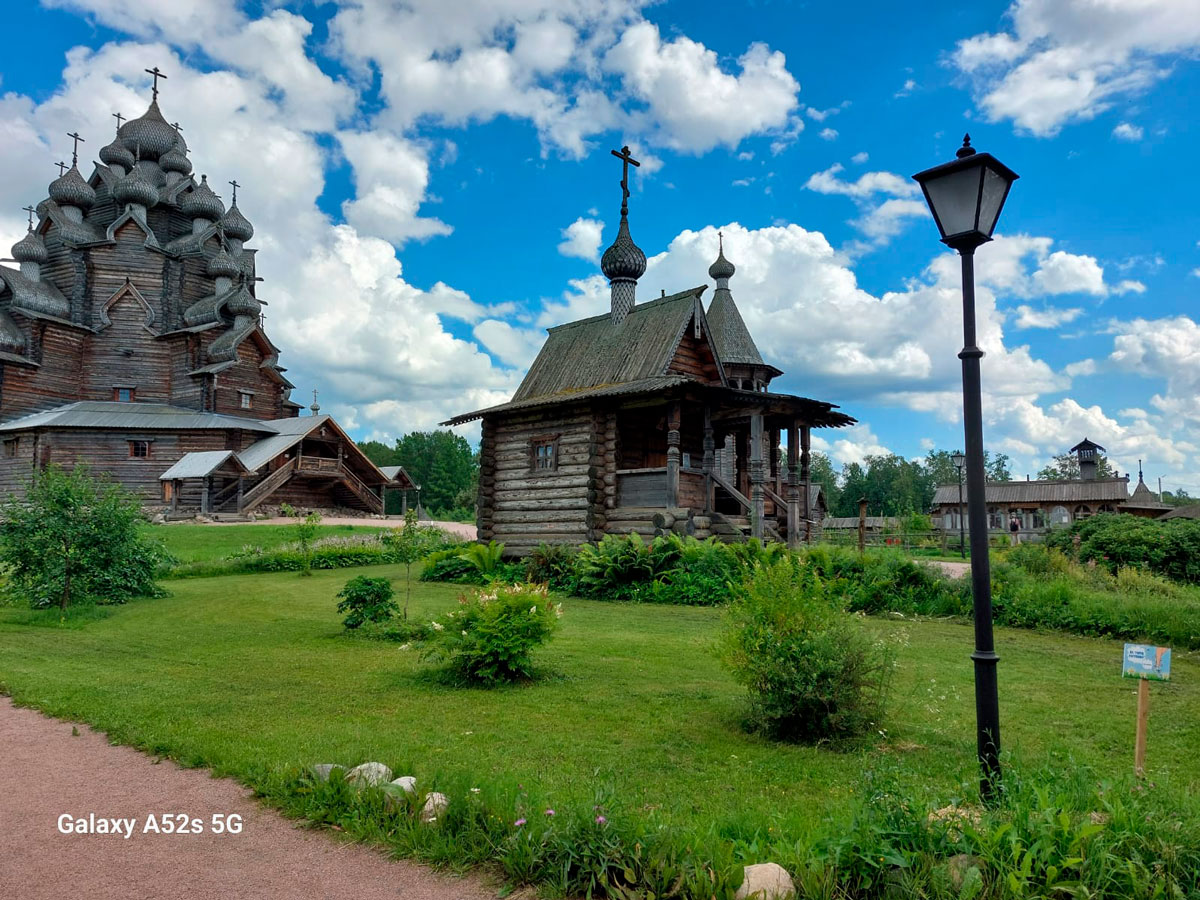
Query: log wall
x=521, y=507
x=125, y=353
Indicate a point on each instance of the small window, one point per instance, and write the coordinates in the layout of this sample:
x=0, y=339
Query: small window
x=139, y=449
x=246, y=399
x=545, y=454
x=687, y=460
x=10, y=447
x=124, y=394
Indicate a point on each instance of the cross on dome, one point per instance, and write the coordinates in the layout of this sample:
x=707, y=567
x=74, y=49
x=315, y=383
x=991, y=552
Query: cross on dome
x=155, y=74
x=62, y=168
x=31, y=211
x=74, y=135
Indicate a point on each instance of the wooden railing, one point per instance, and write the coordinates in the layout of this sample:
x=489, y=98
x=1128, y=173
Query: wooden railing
x=319, y=464
x=267, y=486
x=360, y=489
x=719, y=481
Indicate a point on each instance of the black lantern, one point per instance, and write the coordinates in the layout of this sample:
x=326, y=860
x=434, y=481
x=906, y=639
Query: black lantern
x=959, y=460
x=966, y=196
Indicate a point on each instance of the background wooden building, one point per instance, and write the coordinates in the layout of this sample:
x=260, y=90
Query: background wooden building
x=132, y=339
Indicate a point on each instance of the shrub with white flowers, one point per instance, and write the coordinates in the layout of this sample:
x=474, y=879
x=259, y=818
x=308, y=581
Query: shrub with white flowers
x=490, y=637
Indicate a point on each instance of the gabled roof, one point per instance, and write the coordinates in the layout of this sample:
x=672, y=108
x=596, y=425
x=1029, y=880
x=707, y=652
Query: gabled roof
x=1105, y=490
x=729, y=332
x=594, y=352
x=1191, y=511
x=1143, y=498
x=201, y=464
x=642, y=386
x=148, y=416
x=1085, y=444
x=397, y=474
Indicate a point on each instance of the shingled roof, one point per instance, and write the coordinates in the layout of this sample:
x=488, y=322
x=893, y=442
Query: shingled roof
x=729, y=332
x=593, y=352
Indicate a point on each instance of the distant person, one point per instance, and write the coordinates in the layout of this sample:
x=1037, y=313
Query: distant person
x=1014, y=530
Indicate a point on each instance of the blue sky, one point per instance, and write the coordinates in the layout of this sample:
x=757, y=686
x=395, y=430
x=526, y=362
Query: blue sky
x=430, y=183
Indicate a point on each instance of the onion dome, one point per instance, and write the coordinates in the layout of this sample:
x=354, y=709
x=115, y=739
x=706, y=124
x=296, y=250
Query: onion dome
x=116, y=154
x=202, y=203
x=136, y=188
x=30, y=249
x=149, y=133
x=223, y=266
x=71, y=190
x=624, y=260
x=722, y=268
x=236, y=225
x=175, y=160
x=243, y=303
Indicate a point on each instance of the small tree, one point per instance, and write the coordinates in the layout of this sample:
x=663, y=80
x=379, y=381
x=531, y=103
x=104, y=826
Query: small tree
x=408, y=545
x=365, y=600
x=74, y=537
x=305, y=530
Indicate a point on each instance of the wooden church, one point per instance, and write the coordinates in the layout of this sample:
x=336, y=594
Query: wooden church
x=652, y=417
x=132, y=339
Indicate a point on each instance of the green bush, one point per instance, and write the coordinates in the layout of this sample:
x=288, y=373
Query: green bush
x=553, y=565
x=491, y=636
x=812, y=673
x=1170, y=548
x=74, y=538
x=365, y=600
x=452, y=566
x=486, y=558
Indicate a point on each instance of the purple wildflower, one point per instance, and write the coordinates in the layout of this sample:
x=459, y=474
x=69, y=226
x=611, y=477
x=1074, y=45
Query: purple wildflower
x=519, y=823
x=600, y=820
x=549, y=812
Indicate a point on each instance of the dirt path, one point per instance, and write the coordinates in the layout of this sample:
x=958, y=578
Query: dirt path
x=46, y=772
x=953, y=569
x=462, y=529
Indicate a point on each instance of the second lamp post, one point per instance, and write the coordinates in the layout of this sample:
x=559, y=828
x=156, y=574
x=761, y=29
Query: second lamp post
x=965, y=197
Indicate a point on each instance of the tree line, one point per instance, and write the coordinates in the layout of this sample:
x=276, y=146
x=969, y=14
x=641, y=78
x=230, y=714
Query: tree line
x=441, y=463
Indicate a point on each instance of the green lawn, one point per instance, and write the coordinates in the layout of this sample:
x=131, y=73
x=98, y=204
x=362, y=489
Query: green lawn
x=194, y=543
x=246, y=673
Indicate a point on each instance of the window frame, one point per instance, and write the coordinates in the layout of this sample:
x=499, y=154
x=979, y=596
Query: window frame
x=11, y=447
x=245, y=399
x=538, y=441
x=119, y=388
x=133, y=448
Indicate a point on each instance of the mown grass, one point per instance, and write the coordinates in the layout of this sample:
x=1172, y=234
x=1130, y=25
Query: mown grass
x=248, y=674
x=203, y=543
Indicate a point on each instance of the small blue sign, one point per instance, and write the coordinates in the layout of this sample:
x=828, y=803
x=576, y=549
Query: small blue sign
x=1146, y=662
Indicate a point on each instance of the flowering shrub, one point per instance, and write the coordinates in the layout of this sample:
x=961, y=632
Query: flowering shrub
x=491, y=635
x=811, y=672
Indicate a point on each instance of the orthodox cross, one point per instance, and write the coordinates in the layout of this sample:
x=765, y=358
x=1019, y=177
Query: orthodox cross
x=120, y=118
x=177, y=126
x=31, y=211
x=626, y=159
x=74, y=135
x=235, y=187
x=156, y=75
x=62, y=168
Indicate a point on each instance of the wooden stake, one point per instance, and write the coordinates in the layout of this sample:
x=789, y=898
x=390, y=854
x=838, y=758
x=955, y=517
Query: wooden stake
x=1143, y=719
x=862, y=526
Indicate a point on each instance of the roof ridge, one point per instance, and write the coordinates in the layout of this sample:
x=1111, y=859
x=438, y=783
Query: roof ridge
x=690, y=293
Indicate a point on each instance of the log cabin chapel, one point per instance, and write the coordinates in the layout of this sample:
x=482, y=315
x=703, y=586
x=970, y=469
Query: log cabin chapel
x=652, y=417
x=132, y=339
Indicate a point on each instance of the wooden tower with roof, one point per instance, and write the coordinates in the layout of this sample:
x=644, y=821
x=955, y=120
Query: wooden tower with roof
x=132, y=339
x=619, y=424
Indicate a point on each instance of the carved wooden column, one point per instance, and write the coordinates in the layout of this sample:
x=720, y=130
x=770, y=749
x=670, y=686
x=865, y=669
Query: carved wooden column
x=673, y=454
x=793, y=485
x=758, y=474
x=806, y=477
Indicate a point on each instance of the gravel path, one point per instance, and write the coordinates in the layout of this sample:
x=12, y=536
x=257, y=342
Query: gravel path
x=462, y=529
x=954, y=569
x=46, y=772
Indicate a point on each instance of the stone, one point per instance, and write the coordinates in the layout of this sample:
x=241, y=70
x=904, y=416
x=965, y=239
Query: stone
x=322, y=770
x=766, y=881
x=406, y=783
x=959, y=865
x=369, y=774
x=158, y=519
x=435, y=805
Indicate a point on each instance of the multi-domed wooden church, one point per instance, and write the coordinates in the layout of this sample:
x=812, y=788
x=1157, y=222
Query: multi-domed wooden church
x=131, y=338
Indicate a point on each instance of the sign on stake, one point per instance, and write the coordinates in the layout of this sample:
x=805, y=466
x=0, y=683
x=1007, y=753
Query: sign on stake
x=1145, y=663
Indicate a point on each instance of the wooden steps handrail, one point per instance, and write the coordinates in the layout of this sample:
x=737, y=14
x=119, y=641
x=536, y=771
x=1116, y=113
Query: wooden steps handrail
x=360, y=489
x=737, y=495
x=267, y=486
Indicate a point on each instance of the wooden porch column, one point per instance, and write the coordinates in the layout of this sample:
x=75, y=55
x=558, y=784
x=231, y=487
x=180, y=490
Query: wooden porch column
x=710, y=458
x=793, y=485
x=175, y=487
x=204, y=495
x=241, y=490
x=673, y=455
x=404, y=503
x=806, y=477
x=758, y=475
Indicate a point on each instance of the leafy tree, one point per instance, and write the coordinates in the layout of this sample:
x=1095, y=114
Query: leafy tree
x=820, y=469
x=1065, y=467
x=305, y=531
x=365, y=600
x=1177, y=498
x=408, y=545
x=74, y=537
x=379, y=453
x=997, y=466
x=441, y=462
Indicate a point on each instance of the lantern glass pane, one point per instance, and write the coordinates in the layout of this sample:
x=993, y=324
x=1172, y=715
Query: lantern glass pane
x=953, y=197
x=995, y=188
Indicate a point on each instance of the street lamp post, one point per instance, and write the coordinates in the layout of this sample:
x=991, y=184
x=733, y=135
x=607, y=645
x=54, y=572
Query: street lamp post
x=959, y=461
x=965, y=197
